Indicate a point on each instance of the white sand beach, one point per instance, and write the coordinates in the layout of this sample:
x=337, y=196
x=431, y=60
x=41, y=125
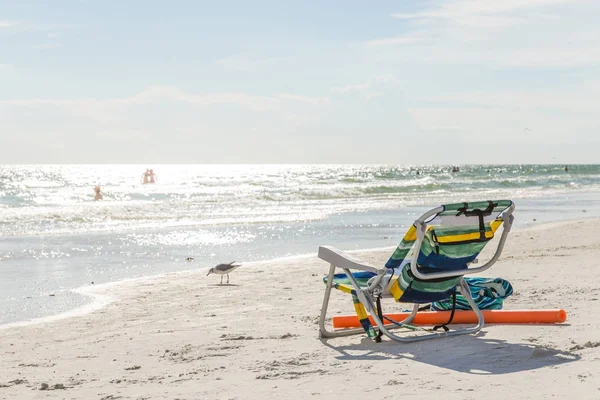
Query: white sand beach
x=183, y=336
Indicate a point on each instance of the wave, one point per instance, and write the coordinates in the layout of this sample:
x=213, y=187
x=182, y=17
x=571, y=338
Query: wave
x=32, y=184
x=59, y=199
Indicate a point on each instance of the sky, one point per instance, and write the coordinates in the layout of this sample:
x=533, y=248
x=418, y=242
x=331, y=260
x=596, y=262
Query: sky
x=304, y=81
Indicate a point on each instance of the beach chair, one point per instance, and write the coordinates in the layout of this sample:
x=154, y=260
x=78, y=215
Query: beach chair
x=429, y=265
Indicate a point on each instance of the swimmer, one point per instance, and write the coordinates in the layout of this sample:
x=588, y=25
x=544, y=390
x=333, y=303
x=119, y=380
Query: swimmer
x=145, y=176
x=566, y=168
x=152, y=176
x=98, y=195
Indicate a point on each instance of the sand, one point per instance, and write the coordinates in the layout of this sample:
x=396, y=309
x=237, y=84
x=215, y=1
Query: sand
x=183, y=336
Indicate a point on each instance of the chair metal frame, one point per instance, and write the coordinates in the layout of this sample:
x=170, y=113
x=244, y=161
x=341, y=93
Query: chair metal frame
x=367, y=296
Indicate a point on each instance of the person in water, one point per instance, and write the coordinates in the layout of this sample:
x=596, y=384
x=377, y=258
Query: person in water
x=152, y=176
x=146, y=176
x=98, y=195
x=566, y=168
x=149, y=177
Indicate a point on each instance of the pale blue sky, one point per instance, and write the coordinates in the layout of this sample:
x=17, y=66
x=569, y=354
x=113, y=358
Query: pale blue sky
x=456, y=81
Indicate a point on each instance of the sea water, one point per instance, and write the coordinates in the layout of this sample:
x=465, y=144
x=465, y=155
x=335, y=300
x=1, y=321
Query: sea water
x=55, y=238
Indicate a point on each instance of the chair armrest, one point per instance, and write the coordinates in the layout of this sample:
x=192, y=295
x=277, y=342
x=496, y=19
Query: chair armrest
x=343, y=260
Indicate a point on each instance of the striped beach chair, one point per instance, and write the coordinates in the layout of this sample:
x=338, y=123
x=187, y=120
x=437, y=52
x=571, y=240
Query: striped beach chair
x=428, y=266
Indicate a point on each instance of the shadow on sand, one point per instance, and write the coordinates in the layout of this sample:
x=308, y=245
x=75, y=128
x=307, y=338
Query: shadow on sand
x=466, y=354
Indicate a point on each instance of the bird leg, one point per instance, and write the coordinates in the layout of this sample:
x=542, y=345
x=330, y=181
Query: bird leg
x=221, y=280
x=227, y=278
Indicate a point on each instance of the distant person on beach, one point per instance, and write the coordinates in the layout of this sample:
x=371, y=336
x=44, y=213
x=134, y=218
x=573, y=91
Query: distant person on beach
x=98, y=195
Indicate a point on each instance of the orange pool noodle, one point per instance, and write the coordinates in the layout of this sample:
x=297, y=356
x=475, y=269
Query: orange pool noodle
x=464, y=317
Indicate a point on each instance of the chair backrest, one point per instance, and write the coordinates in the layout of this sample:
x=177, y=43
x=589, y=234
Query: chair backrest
x=454, y=235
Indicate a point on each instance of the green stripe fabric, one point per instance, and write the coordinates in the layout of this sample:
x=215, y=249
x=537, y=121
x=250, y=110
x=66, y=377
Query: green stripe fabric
x=451, y=222
x=442, y=231
x=402, y=250
x=487, y=293
x=425, y=286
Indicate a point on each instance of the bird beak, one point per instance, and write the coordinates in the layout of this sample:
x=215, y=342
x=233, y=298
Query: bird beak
x=208, y=273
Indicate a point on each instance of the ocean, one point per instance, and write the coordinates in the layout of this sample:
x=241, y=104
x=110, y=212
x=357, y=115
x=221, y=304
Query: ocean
x=55, y=238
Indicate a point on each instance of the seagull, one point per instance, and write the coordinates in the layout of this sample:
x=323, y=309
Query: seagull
x=223, y=269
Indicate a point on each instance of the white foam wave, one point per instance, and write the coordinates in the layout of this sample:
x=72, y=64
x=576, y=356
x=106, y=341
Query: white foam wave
x=59, y=199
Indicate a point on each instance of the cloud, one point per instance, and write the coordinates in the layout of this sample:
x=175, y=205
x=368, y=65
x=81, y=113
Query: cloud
x=552, y=115
x=38, y=35
x=160, y=117
x=46, y=46
x=7, y=71
x=107, y=111
x=241, y=62
x=474, y=20
x=558, y=57
x=171, y=93
x=496, y=125
x=352, y=88
x=312, y=100
x=510, y=34
x=467, y=10
x=372, y=87
x=9, y=24
x=576, y=99
x=394, y=41
x=253, y=102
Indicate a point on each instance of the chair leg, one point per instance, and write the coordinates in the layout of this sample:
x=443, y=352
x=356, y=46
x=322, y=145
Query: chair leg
x=369, y=304
x=464, y=289
x=323, y=331
x=466, y=292
x=412, y=315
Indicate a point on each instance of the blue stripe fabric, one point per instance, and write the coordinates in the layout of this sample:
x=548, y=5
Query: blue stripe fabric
x=436, y=262
x=416, y=296
x=487, y=293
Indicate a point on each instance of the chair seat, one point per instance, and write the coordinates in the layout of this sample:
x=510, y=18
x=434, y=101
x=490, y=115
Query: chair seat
x=342, y=282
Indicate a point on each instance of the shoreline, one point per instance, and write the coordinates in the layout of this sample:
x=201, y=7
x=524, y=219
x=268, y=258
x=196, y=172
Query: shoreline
x=99, y=300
